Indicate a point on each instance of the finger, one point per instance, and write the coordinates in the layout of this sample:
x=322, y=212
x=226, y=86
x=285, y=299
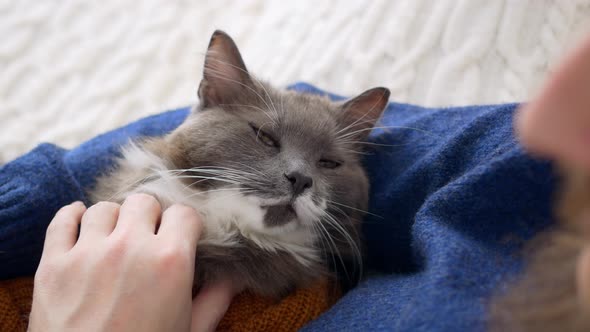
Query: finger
x=210, y=305
x=99, y=221
x=140, y=212
x=181, y=223
x=62, y=232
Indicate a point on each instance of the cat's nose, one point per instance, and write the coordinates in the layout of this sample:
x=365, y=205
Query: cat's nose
x=299, y=182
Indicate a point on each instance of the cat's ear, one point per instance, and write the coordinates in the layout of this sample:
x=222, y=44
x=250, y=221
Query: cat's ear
x=360, y=114
x=225, y=75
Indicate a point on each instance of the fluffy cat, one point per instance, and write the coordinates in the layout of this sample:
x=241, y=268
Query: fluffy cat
x=276, y=176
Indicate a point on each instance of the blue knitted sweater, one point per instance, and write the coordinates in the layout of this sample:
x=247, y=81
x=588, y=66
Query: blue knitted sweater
x=453, y=198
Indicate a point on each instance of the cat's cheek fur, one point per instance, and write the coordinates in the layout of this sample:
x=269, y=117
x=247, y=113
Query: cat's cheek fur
x=232, y=207
x=307, y=211
x=227, y=213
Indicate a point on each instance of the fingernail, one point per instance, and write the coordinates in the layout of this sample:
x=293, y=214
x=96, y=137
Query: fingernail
x=78, y=203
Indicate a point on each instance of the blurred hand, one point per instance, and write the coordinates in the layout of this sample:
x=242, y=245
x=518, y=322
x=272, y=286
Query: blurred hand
x=120, y=275
x=556, y=125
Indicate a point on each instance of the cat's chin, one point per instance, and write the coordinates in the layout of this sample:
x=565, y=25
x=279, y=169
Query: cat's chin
x=280, y=214
x=302, y=211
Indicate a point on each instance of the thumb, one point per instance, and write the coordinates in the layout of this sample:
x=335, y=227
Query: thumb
x=210, y=305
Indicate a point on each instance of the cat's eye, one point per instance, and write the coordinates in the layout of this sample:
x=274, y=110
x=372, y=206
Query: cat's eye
x=329, y=164
x=265, y=137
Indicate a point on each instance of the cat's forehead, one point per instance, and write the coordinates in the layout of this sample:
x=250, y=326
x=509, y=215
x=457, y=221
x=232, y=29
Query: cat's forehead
x=303, y=112
x=308, y=120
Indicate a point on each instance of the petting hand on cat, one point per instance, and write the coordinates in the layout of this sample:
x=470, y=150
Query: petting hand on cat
x=556, y=125
x=124, y=272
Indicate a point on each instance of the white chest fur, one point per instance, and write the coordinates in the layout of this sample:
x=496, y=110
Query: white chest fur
x=226, y=212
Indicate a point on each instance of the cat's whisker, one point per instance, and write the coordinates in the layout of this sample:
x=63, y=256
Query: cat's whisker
x=269, y=98
x=348, y=239
x=342, y=213
x=237, y=182
x=222, y=172
x=364, y=153
x=254, y=79
x=339, y=210
x=251, y=168
x=334, y=223
x=353, y=208
x=206, y=192
x=244, y=105
x=259, y=178
x=371, y=122
x=361, y=118
x=254, y=91
x=325, y=247
x=157, y=175
x=207, y=178
x=220, y=75
x=230, y=195
x=349, y=134
x=357, y=123
x=329, y=239
x=188, y=186
x=357, y=258
x=372, y=143
x=331, y=220
x=216, y=168
x=282, y=104
x=344, y=232
x=172, y=177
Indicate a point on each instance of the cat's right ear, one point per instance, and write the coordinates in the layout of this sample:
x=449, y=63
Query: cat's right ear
x=360, y=114
x=225, y=75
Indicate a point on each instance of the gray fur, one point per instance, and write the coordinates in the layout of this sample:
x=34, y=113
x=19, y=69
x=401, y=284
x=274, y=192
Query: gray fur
x=266, y=134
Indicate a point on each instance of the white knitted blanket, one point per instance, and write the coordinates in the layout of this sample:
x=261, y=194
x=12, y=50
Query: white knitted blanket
x=72, y=69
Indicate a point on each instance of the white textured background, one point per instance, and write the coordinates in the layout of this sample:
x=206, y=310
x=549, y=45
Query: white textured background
x=72, y=69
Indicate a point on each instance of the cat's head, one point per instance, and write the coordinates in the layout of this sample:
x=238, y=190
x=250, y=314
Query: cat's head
x=297, y=155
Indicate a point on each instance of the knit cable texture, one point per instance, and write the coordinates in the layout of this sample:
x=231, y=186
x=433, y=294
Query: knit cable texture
x=70, y=70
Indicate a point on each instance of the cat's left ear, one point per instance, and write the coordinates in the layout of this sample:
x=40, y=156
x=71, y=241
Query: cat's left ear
x=225, y=75
x=360, y=114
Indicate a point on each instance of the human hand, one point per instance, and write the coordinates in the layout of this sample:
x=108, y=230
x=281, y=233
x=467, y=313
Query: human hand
x=556, y=124
x=120, y=275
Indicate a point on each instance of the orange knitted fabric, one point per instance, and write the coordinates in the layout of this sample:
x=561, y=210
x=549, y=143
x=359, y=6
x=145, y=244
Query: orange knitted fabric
x=15, y=304
x=246, y=313
x=249, y=312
